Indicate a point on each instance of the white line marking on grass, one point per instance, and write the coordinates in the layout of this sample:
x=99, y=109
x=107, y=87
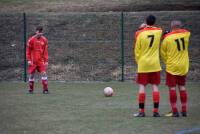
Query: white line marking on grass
x=188, y=130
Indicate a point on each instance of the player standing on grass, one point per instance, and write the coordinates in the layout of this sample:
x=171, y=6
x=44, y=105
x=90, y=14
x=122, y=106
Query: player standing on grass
x=37, y=56
x=174, y=52
x=146, y=50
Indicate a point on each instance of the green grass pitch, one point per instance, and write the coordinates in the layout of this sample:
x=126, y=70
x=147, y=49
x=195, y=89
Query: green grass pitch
x=81, y=108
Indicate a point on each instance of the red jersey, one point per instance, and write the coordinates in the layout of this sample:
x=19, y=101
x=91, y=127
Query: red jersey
x=37, y=50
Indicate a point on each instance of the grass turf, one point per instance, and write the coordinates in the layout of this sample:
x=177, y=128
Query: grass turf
x=81, y=108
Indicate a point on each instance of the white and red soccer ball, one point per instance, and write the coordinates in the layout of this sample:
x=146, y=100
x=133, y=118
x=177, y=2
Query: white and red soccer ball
x=108, y=92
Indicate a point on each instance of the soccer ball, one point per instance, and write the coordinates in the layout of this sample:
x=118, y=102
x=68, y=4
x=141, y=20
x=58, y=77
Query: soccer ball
x=108, y=91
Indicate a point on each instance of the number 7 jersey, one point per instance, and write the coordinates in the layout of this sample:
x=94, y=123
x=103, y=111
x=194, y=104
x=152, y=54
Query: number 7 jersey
x=174, y=52
x=146, y=49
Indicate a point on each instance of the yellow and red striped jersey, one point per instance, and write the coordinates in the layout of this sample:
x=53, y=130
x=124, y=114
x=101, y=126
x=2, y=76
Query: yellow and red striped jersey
x=174, y=52
x=146, y=49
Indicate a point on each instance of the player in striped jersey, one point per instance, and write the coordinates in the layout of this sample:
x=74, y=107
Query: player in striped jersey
x=146, y=51
x=174, y=52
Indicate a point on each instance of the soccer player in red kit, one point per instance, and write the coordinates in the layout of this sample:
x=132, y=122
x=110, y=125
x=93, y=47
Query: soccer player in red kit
x=174, y=52
x=37, y=56
x=146, y=51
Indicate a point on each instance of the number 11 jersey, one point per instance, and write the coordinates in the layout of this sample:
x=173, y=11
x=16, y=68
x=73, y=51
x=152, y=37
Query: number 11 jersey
x=174, y=52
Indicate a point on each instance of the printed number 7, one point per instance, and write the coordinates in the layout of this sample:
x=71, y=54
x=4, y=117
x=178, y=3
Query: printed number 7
x=151, y=41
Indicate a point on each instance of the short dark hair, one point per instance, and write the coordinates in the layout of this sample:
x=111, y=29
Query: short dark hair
x=150, y=20
x=39, y=29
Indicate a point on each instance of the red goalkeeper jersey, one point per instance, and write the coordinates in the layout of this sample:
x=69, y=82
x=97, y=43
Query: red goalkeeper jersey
x=37, y=50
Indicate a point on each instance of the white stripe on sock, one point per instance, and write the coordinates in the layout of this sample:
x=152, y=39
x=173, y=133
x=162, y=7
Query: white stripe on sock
x=44, y=78
x=31, y=79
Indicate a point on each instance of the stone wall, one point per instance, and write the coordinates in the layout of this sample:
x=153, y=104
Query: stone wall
x=86, y=46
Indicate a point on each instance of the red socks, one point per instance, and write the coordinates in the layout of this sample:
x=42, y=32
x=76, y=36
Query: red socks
x=183, y=96
x=156, y=100
x=44, y=83
x=141, y=100
x=31, y=84
x=173, y=99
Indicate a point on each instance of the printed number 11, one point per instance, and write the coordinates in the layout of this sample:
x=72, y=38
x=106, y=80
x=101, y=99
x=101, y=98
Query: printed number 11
x=178, y=44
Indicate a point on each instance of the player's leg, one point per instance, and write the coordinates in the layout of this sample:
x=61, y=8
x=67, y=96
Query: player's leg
x=141, y=101
x=171, y=83
x=31, y=70
x=183, y=95
x=31, y=83
x=44, y=82
x=156, y=100
x=142, y=80
x=42, y=69
x=141, y=97
x=173, y=100
x=155, y=81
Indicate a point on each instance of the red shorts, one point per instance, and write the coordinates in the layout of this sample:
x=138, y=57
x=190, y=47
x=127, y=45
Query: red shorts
x=40, y=68
x=149, y=78
x=173, y=80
